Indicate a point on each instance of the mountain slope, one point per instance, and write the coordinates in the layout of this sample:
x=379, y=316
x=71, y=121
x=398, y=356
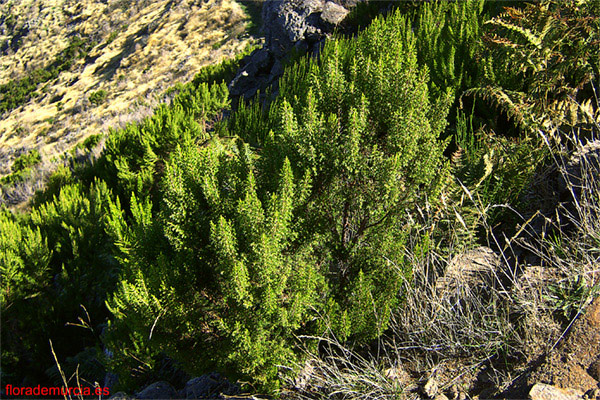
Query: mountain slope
x=130, y=52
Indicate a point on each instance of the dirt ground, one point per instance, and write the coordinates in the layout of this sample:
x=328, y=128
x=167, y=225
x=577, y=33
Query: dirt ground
x=574, y=362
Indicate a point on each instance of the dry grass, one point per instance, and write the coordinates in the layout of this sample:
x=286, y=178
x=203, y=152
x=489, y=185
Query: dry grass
x=73, y=381
x=484, y=327
x=154, y=45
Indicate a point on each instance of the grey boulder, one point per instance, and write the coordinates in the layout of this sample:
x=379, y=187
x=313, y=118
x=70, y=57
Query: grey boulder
x=158, y=390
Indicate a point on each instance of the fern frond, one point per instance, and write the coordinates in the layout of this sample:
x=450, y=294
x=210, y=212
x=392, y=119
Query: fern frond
x=510, y=102
x=526, y=33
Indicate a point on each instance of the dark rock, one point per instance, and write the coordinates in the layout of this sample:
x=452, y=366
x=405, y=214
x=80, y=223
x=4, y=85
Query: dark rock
x=209, y=386
x=244, y=81
x=119, y=396
x=594, y=369
x=316, y=50
x=261, y=59
x=313, y=35
x=158, y=390
x=301, y=47
x=285, y=22
x=288, y=24
x=276, y=70
x=250, y=93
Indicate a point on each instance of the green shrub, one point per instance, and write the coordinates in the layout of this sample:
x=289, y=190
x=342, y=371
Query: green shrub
x=22, y=167
x=91, y=141
x=48, y=288
x=26, y=160
x=361, y=121
x=448, y=37
x=217, y=266
x=25, y=272
x=250, y=245
x=98, y=97
x=220, y=243
x=70, y=215
x=132, y=155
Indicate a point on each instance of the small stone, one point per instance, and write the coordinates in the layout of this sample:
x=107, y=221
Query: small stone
x=277, y=69
x=261, y=59
x=431, y=388
x=541, y=391
x=208, y=386
x=333, y=14
x=398, y=375
x=301, y=46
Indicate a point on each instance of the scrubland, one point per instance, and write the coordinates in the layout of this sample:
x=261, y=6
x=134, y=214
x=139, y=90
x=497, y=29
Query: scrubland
x=414, y=213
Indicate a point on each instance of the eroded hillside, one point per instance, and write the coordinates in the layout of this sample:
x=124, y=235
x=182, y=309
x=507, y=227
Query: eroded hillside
x=70, y=69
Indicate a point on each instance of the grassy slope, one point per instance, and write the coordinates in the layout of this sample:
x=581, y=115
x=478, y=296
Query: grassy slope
x=142, y=49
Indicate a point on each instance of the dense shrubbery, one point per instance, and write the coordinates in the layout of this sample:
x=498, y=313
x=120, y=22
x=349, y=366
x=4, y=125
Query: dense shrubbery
x=63, y=261
x=219, y=243
x=60, y=257
x=257, y=242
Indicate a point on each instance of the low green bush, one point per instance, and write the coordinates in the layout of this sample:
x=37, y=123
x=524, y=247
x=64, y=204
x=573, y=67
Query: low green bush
x=98, y=97
x=59, y=255
x=22, y=166
x=26, y=160
x=59, y=259
x=248, y=246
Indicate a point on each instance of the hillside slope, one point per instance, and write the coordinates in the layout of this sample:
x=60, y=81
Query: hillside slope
x=129, y=53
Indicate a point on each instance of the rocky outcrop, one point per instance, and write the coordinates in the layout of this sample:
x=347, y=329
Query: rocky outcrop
x=542, y=391
x=480, y=269
x=210, y=386
x=300, y=25
x=568, y=369
x=158, y=390
x=288, y=23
